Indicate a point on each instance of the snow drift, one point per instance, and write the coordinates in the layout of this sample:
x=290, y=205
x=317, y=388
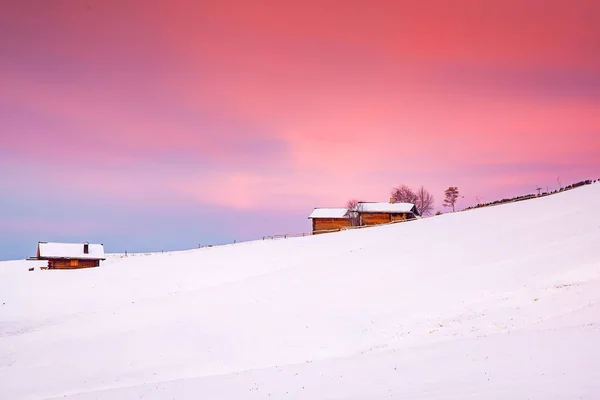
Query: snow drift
x=492, y=303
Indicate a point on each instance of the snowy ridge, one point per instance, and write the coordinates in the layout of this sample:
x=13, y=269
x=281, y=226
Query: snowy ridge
x=493, y=303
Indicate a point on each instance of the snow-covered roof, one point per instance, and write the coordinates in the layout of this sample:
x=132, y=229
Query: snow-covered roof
x=329, y=213
x=386, y=207
x=70, y=250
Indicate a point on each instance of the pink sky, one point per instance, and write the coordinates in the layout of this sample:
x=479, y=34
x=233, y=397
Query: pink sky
x=275, y=107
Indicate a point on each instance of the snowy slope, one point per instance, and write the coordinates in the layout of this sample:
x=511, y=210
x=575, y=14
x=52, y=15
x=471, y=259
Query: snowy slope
x=493, y=303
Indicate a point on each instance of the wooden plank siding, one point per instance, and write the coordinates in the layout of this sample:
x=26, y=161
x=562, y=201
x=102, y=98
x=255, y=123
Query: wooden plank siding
x=327, y=224
x=368, y=219
x=399, y=217
x=72, y=264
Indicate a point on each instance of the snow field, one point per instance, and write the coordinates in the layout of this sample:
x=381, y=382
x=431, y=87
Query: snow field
x=491, y=303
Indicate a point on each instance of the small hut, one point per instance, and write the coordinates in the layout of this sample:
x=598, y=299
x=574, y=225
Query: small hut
x=329, y=219
x=70, y=255
x=383, y=213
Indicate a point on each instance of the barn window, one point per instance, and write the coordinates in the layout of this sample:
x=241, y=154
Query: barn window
x=86, y=248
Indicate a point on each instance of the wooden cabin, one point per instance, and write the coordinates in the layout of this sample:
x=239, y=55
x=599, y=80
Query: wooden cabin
x=70, y=255
x=384, y=213
x=329, y=219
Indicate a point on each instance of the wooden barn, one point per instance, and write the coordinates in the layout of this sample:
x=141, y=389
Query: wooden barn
x=329, y=219
x=70, y=255
x=383, y=213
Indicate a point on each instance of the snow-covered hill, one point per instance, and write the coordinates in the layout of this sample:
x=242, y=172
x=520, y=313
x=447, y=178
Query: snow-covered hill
x=493, y=303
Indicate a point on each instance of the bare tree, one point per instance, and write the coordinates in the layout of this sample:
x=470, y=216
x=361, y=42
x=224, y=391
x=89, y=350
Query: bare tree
x=424, y=201
x=354, y=207
x=451, y=195
x=559, y=181
x=421, y=198
x=404, y=194
x=352, y=204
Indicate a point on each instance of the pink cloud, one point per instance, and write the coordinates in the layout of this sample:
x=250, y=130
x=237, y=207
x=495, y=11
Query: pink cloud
x=272, y=105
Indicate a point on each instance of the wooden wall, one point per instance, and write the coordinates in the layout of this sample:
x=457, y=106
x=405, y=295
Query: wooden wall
x=400, y=217
x=383, y=218
x=325, y=224
x=72, y=264
x=367, y=219
x=375, y=218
